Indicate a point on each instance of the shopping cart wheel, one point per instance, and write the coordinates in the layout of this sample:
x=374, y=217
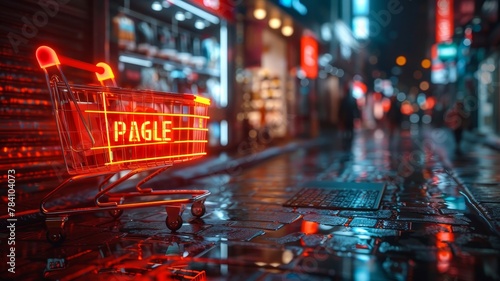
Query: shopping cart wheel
x=56, y=236
x=198, y=209
x=173, y=223
x=55, y=229
x=116, y=213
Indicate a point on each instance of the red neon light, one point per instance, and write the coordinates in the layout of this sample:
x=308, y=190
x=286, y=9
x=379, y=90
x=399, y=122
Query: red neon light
x=147, y=133
x=128, y=145
x=444, y=20
x=148, y=113
x=81, y=65
x=309, y=56
x=46, y=57
x=191, y=129
x=142, y=131
x=108, y=130
x=158, y=158
x=191, y=141
x=144, y=144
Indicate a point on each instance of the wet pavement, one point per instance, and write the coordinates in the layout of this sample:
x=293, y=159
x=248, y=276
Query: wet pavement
x=439, y=220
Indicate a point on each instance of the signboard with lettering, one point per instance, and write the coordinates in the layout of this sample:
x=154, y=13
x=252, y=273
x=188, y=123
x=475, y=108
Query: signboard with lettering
x=446, y=51
x=309, y=56
x=444, y=20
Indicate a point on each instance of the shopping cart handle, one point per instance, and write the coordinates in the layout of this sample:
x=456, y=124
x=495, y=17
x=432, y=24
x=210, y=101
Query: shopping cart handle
x=46, y=57
x=106, y=74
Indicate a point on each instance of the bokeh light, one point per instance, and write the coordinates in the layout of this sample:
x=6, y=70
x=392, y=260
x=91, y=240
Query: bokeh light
x=424, y=85
x=401, y=60
x=426, y=63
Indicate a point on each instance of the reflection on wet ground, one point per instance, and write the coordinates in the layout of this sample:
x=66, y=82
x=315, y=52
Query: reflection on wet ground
x=425, y=228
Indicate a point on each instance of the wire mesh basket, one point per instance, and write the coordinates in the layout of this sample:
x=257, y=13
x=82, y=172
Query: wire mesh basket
x=105, y=129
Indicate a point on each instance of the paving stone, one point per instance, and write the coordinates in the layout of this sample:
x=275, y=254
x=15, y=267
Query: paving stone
x=363, y=222
x=313, y=240
x=230, y=233
x=346, y=243
x=381, y=214
x=433, y=219
x=292, y=237
x=399, y=225
x=258, y=225
x=281, y=217
x=328, y=220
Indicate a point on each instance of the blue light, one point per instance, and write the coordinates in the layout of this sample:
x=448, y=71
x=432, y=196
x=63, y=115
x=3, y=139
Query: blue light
x=286, y=3
x=360, y=7
x=294, y=4
x=360, y=26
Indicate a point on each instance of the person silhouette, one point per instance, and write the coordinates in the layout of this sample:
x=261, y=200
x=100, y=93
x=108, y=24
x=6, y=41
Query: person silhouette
x=348, y=112
x=394, y=116
x=457, y=119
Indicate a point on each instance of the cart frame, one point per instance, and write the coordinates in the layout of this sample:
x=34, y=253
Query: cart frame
x=63, y=95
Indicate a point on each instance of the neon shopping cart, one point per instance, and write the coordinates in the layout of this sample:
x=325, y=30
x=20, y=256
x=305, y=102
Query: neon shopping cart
x=108, y=131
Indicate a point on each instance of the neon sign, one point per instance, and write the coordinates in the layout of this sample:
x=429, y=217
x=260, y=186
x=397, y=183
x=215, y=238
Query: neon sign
x=295, y=5
x=444, y=20
x=148, y=131
x=309, y=56
x=109, y=129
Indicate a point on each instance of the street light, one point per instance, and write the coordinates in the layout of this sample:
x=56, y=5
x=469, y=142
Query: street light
x=275, y=21
x=401, y=60
x=260, y=10
x=287, y=29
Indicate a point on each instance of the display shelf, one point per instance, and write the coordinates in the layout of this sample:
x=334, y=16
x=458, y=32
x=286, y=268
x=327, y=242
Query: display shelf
x=170, y=64
x=264, y=105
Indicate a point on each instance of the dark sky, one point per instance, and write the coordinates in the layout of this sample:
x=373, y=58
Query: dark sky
x=407, y=33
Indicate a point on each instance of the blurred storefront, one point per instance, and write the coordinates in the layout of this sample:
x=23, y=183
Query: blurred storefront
x=277, y=70
x=177, y=46
x=485, y=39
x=476, y=38
x=261, y=74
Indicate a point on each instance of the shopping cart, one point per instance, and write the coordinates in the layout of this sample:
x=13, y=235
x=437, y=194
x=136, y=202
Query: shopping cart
x=105, y=130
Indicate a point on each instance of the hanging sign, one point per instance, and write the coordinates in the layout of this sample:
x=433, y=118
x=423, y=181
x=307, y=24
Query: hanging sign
x=444, y=20
x=309, y=56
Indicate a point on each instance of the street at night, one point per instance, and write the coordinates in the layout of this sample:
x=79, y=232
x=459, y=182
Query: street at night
x=253, y=140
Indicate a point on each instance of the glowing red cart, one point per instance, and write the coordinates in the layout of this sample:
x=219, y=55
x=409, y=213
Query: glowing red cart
x=106, y=129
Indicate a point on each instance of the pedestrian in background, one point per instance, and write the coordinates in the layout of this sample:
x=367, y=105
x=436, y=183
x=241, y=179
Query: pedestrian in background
x=348, y=112
x=457, y=119
x=394, y=116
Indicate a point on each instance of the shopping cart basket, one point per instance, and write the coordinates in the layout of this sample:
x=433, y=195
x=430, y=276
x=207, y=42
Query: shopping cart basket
x=105, y=129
